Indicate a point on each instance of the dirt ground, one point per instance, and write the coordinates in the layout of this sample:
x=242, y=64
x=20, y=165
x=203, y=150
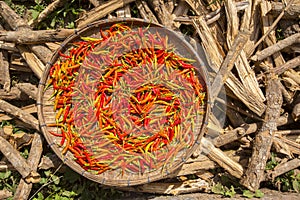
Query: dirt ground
x=268, y=195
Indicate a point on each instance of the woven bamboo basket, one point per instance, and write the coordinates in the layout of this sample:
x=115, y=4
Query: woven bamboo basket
x=47, y=114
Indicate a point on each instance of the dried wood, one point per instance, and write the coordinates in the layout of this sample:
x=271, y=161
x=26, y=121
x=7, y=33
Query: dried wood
x=218, y=156
x=228, y=63
x=34, y=63
x=271, y=28
x=292, y=13
x=216, y=54
x=35, y=36
x=13, y=94
x=24, y=187
x=245, y=72
x=12, y=19
x=260, y=55
x=235, y=134
x=163, y=15
x=15, y=158
x=251, y=21
x=174, y=188
x=254, y=175
x=145, y=11
x=49, y=9
x=28, y=109
x=19, y=113
x=286, y=95
x=8, y=46
x=4, y=71
x=198, y=7
x=283, y=168
x=101, y=11
x=29, y=89
x=195, y=165
x=292, y=146
x=290, y=73
x=295, y=62
x=123, y=12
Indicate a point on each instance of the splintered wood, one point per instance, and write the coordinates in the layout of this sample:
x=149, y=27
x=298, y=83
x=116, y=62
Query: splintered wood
x=254, y=73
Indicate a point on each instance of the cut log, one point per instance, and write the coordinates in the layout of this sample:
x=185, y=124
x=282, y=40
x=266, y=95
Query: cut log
x=31, y=37
x=255, y=173
x=101, y=11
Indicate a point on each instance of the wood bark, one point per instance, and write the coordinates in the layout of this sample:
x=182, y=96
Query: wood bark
x=145, y=11
x=35, y=36
x=24, y=187
x=255, y=173
x=20, y=114
x=101, y=11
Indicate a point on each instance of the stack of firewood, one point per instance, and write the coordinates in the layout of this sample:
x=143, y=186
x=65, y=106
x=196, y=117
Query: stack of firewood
x=255, y=81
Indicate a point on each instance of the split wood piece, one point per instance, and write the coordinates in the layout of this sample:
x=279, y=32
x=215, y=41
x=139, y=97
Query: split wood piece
x=195, y=165
x=4, y=71
x=163, y=15
x=101, y=11
x=250, y=21
x=216, y=54
x=5, y=194
x=244, y=95
x=209, y=17
x=20, y=68
x=8, y=47
x=228, y=64
x=145, y=11
x=218, y=156
x=12, y=19
x=237, y=108
x=15, y=158
x=24, y=187
x=123, y=12
x=35, y=36
x=13, y=94
x=49, y=9
x=285, y=119
x=245, y=72
x=254, y=175
x=18, y=23
x=272, y=26
x=290, y=73
x=292, y=13
x=232, y=23
x=290, y=83
x=174, y=188
x=260, y=55
x=283, y=168
x=295, y=62
x=286, y=95
x=20, y=114
x=291, y=146
x=235, y=134
x=29, y=89
x=34, y=63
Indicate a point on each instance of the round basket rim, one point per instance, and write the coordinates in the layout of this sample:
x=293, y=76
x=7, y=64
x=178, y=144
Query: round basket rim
x=67, y=159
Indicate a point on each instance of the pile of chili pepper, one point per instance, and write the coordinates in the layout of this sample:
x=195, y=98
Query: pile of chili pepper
x=125, y=100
